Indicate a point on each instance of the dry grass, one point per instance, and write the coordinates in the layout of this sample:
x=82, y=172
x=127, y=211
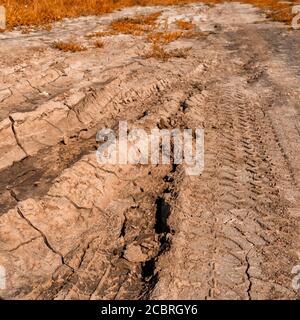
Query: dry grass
x=137, y=25
x=158, y=52
x=164, y=37
x=185, y=25
x=277, y=11
x=194, y=34
x=68, y=46
x=101, y=34
x=99, y=44
x=42, y=12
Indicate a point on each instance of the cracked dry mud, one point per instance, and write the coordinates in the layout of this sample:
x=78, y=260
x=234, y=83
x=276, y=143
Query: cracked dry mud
x=71, y=228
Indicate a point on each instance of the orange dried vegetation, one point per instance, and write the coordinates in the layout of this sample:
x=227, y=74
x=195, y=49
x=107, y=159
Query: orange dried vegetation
x=137, y=25
x=100, y=34
x=41, y=12
x=68, y=46
x=164, y=37
x=276, y=9
x=158, y=52
x=184, y=25
x=99, y=44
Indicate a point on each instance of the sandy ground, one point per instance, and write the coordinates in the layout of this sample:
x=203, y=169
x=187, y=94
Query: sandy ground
x=71, y=228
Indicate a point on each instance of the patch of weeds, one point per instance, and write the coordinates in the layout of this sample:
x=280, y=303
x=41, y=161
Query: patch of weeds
x=99, y=44
x=137, y=25
x=101, y=34
x=40, y=12
x=158, y=52
x=184, y=25
x=164, y=37
x=68, y=46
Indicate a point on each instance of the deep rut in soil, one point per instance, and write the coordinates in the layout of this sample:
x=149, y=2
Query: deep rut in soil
x=127, y=251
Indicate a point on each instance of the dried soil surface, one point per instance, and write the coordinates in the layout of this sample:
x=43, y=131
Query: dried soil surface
x=71, y=228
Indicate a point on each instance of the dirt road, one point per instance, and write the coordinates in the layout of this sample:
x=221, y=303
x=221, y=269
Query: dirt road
x=71, y=228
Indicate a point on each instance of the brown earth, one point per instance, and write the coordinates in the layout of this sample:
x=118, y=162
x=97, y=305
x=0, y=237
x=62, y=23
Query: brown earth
x=71, y=228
